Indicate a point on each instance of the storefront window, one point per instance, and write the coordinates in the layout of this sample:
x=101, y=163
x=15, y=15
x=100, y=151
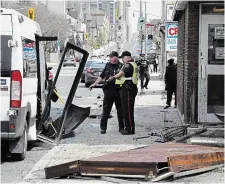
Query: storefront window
x=213, y=9
x=216, y=44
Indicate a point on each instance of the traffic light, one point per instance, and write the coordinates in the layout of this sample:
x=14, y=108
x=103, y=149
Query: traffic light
x=86, y=36
x=143, y=37
x=31, y=13
x=150, y=37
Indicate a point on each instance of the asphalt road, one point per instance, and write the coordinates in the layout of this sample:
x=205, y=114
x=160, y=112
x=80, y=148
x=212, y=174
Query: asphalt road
x=14, y=171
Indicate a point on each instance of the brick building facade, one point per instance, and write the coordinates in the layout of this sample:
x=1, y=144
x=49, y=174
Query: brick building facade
x=188, y=16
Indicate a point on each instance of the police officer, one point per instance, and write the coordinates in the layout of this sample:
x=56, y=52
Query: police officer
x=144, y=71
x=127, y=78
x=111, y=93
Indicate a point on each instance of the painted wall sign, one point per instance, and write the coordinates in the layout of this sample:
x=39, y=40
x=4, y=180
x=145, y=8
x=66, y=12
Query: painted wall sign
x=171, y=36
x=3, y=82
x=219, y=32
x=4, y=88
x=219, y=53
x=169, y=12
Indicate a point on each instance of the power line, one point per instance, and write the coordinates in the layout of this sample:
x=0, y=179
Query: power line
x=146, y=13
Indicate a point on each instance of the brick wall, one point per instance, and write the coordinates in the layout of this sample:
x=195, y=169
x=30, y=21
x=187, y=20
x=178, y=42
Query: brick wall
x=188, y=43
x=180, y=63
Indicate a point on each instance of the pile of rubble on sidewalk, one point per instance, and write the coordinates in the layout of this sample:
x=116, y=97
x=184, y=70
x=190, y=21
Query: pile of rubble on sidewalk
x=172, y=159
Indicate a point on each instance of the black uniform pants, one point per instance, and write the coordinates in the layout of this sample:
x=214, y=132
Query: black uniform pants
x=108, y=101
x=128, y=95
x=170, y=90
x=155, y=68
x=144, y=75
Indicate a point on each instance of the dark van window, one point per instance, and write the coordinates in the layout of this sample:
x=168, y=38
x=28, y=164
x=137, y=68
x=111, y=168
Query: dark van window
x=6, y=56
x=29, y=58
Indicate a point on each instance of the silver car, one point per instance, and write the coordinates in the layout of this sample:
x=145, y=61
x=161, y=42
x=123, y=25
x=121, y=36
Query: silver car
x=69, y=61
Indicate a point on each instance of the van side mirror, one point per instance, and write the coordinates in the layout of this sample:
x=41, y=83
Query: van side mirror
x=49, y=68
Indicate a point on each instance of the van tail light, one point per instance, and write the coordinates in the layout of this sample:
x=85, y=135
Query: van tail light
x=90, y=70
x=16, y=89
x=50, y=75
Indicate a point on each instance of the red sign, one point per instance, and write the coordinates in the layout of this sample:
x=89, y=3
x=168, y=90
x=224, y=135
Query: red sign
x=173, y=31
x=148, y=25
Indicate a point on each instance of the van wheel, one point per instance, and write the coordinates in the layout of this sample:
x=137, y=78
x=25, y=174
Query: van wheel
x=24, y=140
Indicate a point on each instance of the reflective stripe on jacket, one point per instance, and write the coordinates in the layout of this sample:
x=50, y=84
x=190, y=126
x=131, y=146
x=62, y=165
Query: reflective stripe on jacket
x=134, y=77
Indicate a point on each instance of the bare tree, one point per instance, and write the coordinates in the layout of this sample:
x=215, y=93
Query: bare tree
x=51, y=24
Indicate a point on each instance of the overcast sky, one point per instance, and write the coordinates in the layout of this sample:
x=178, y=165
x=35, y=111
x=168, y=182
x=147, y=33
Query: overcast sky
x=153, y=8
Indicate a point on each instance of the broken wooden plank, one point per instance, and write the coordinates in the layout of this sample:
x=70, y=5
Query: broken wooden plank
x=196, y=171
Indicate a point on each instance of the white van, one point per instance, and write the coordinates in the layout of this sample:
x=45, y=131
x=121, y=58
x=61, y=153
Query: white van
x=19, y=82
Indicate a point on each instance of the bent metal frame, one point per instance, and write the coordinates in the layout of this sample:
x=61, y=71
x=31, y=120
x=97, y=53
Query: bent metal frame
x=72, y=92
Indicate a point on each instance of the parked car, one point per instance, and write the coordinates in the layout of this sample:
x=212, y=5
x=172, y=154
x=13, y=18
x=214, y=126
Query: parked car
x=85, y=68
x=94, y=71
x=69, y=61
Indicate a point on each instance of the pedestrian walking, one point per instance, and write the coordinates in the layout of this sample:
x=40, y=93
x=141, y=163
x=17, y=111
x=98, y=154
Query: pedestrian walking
x=127, y=78
x=171, y=82
x=144, y=65
x=155, y=65
x=111, y=93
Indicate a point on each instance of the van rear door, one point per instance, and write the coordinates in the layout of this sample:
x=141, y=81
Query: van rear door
x=6, y=58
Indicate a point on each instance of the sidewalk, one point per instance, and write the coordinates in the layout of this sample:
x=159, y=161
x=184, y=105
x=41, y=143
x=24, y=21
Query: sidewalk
x=88, y=142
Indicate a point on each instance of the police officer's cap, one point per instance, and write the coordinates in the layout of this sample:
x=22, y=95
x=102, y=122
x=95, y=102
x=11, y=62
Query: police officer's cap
x=125, y=53
x=113, y=53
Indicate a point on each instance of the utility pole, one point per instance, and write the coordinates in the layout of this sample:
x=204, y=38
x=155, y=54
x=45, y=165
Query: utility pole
x=120, y=21
x=145, y=29
x=140, y=33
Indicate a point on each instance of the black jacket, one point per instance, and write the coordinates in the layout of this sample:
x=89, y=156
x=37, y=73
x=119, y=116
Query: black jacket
x=143, y=64
x=171, y=76
x=109, y=71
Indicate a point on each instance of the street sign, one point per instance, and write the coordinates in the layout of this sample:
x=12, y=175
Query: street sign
x=147, y=25
x=141, y=21
x=120, y=18
x=119, y=39
x=120, y=27
x=30, y=13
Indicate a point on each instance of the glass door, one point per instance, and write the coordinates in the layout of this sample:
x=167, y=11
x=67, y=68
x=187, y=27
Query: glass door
x=211, y=70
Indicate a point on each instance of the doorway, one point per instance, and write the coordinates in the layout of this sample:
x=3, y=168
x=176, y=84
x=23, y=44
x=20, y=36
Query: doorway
x=211, y=69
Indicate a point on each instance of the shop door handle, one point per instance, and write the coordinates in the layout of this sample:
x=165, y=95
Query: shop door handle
x=203, y=71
